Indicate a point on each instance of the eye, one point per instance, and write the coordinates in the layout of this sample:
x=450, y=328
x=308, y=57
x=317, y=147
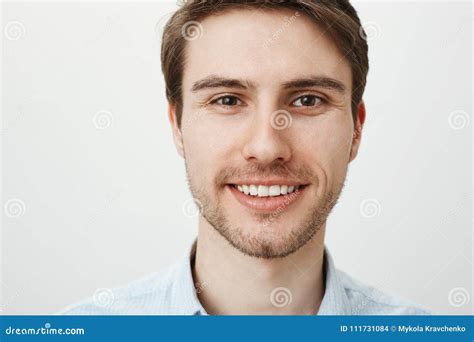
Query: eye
x=308, y=101
x=227, y=101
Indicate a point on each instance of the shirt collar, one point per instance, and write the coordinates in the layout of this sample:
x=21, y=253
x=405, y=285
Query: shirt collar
x=335, y=301
x=184, y=299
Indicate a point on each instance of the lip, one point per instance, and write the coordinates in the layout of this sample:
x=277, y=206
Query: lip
x=266, y=181
x=266, y=205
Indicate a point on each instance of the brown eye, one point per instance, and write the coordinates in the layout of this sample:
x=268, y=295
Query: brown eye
x=308, y=101
x=227, y=101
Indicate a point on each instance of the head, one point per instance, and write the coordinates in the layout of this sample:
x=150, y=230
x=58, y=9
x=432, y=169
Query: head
x=265, y=98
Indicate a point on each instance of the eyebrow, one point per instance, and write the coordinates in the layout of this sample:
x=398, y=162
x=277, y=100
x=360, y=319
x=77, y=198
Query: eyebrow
x=221, y=82
x=306, y=82
x=316, y=82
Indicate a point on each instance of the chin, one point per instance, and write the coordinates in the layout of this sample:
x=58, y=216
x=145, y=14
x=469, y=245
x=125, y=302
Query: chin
x=267, y=239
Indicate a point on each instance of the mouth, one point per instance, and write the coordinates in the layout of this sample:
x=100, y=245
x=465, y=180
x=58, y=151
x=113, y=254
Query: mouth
x=263, y=198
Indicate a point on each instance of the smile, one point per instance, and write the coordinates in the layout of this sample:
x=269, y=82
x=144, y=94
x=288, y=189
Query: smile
x=267, y=198
x=267, y=191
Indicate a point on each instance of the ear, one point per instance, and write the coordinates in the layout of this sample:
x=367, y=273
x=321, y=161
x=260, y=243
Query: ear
x=357, y=135
x=177, y=136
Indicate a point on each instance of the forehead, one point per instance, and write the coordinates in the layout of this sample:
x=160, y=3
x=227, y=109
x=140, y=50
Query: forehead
x=263, y=46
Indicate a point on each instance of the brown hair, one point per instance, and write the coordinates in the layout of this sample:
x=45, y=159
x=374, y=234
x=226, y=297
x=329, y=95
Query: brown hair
x=336, y=17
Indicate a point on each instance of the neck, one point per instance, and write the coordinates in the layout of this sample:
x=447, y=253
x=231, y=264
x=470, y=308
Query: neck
x=232, y=283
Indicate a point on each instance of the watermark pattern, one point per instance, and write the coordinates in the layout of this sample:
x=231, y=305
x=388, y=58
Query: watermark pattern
x=281, y=119
x=14, y=30
x=10, y=294
x=16, y=117
x=192, y=30
x=110, y=198
x=370, y=208
x=281, y=297
x=103, y=297
x=14, y=208
x=101, y=33
x=458, y=297
x=200, y=286
x=458, y=119
x=192, y=207
x=275, y=36
x=384, y=280
x=281, y=208
x=103, y=119
x=193, y=118
x=370, y=31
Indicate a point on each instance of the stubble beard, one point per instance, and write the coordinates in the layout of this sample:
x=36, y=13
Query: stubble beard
x=266, y=243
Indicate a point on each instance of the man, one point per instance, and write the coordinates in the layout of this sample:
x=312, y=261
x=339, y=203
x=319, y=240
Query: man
x=265, y=105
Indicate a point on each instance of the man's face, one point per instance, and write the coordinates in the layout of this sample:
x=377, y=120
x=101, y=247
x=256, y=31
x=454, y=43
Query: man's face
x=266, y=111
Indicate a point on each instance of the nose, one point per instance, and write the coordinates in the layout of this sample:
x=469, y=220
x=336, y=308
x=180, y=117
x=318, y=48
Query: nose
x=267, y=138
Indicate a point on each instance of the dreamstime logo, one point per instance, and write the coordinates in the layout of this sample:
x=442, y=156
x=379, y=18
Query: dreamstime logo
x=200, y=286
x=275, y=36
x=281, y=119
x=103, y=119
x=281, y=208
x=370, y=208
x=370, y=30
x=458, y=297
x=360, y=306
x=458, y=119
x=280, y=297
x=103, y=297
x=14, y=208
x=14, y=30
x=192, y=207
x=192, y=30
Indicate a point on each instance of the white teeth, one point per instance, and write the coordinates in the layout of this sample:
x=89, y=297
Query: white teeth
x=274, y=190
x=262, y=191
x=266, y=191
x=253, y=190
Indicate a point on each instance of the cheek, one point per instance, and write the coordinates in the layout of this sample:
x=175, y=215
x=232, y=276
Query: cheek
x=326, y=145
x=208, y=140
x=208, y=145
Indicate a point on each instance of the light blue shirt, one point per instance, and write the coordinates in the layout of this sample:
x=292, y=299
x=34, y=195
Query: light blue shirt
x=173, y=292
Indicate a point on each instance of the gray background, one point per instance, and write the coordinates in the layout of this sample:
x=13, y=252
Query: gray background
x=93, y=192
